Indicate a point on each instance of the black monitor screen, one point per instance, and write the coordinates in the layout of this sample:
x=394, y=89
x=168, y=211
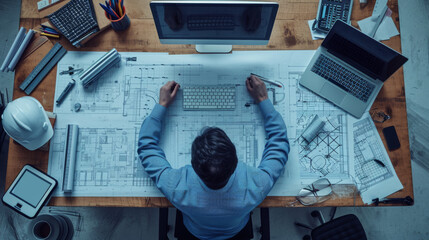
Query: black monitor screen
x=366, y=54
x=338, y=44
x=208, y=20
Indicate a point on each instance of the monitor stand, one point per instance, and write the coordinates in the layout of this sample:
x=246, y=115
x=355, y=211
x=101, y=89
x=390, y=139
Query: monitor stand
x=203, y=48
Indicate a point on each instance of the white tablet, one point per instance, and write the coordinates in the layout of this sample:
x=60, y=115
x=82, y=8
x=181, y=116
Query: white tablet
x=29, y=191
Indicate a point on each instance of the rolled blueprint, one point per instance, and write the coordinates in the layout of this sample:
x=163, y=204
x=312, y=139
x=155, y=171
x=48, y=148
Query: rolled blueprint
x=70, y=151
x=21, y=49
x=102, y=65
x=12, y=51
x=313, y=129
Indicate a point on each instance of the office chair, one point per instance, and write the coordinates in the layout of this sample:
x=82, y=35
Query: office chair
x=247, y=231
x=347, y=227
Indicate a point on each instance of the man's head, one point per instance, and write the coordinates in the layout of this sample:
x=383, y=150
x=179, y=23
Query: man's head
x=214, y=158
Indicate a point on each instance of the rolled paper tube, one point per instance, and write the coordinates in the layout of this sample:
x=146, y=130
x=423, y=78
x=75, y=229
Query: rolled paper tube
x=14, y=48
x=313, y=129
x=21, y=49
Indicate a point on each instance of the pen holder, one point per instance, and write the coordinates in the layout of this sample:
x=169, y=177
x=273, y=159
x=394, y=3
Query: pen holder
x=121, y=23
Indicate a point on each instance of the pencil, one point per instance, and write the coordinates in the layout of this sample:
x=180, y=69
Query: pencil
x=119, y=8
x=49, y=35
x=266, y=80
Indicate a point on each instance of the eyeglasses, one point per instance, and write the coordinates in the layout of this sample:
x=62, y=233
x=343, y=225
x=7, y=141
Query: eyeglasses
x=379, y=116
x=316, y=192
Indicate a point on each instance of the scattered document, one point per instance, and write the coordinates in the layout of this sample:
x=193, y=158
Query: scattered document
x=385, y=31
x=373, y=179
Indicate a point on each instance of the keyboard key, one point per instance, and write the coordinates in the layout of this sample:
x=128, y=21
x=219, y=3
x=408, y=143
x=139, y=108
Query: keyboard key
x=210, y=22
x=220, y=97
x=343, y=78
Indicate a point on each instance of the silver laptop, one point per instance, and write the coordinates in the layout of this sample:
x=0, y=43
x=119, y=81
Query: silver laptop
x=349, y=68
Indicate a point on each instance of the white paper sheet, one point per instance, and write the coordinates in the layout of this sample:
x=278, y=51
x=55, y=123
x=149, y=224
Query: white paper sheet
x=373, y=180
x=385, y=31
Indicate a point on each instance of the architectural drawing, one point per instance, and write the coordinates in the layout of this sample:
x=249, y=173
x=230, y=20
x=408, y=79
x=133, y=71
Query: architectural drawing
x=114, y=107
x=330, y=153
x=106, y=158
x=374, y=180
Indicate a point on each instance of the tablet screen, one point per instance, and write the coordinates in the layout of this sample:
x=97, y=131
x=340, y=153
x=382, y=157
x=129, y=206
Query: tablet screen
x=30, y=188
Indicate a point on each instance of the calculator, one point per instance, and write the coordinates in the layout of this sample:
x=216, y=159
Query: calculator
x=330, y=11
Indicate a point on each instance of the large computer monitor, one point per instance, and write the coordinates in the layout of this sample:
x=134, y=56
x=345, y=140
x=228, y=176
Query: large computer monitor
x=214, y=26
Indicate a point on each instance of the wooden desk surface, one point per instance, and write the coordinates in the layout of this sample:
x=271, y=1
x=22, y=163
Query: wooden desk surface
x=291, y=32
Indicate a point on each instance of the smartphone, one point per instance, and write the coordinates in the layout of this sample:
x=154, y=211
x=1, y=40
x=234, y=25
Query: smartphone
x=29, y=192
x=391, y=137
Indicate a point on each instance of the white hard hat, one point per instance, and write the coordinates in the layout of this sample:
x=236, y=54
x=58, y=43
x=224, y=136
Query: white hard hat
x=25, y=120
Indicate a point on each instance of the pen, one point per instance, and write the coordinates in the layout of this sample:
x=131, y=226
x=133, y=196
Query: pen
x=65, y=92
x=45, y=30
x=112, y=4
x=266, y=80
x=109, y=12
x=114, y=12
x=112, y=9
x=48, y=28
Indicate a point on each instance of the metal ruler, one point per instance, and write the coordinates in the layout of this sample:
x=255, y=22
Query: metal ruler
x=70, y=152
x=43, y=68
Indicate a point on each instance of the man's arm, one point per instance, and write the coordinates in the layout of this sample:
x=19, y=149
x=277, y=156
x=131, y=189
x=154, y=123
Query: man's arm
x=276, y=150
x=151, y=155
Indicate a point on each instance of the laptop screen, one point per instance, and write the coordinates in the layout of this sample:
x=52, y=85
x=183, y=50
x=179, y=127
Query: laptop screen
x=362, y=52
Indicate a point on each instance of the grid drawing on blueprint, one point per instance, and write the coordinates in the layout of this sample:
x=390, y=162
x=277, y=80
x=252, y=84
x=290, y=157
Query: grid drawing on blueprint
x=366, y=148
x=328, y=154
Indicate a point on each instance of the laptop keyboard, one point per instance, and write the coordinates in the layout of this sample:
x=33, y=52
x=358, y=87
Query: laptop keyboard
x=210, y=22
x=343, y=78
x=220, y=97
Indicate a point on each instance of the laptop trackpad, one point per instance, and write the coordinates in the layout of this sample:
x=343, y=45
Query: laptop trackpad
x=332, y=93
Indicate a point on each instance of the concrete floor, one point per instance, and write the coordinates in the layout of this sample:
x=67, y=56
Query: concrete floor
x=379, y=223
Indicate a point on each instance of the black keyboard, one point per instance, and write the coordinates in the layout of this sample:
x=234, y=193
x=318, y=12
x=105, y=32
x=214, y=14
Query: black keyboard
x=343, y=78
x=210, y=22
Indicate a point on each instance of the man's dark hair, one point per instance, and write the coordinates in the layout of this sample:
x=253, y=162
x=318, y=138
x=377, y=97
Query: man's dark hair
x=214, y=157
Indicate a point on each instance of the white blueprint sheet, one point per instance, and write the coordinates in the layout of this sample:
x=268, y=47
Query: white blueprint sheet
x=114, y=107
x=373, y=180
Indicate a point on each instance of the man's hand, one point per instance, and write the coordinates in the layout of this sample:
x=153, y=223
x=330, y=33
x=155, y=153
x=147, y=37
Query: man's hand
x=167, y=93
x=256, y=88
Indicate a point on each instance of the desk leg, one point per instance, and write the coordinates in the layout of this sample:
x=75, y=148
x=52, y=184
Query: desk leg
x=163, y=224
x=265, y=224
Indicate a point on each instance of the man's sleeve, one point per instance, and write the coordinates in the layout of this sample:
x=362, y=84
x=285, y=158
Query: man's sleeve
x=276, y=150
x=151, y=155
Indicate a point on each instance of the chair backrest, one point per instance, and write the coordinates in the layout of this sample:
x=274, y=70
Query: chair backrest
x=347, y=227
x=181, y=232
